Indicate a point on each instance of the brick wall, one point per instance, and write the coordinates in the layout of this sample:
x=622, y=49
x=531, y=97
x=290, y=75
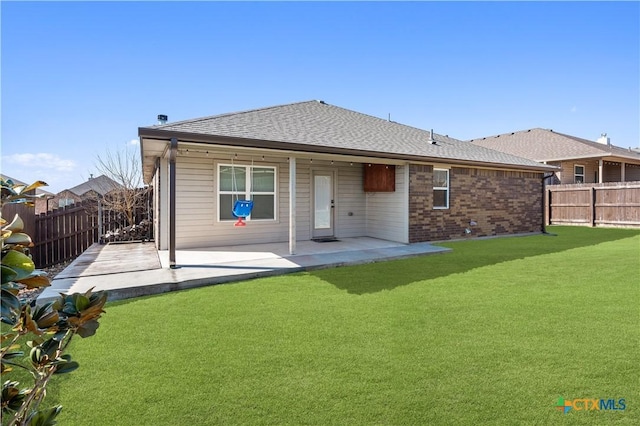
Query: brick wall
x=499, y=202
x=54, y=202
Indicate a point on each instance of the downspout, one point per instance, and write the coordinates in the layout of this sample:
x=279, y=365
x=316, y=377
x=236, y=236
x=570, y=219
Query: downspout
x=544, y=206
x=173, y=152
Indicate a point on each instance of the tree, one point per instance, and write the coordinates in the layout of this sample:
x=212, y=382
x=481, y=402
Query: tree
x=129, y=195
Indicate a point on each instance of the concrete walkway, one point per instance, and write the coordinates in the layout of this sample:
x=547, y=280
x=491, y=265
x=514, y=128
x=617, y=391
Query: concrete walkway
x=138, y=269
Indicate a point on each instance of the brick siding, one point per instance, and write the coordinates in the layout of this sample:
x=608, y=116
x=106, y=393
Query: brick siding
x=500, y=202
x=54, y=202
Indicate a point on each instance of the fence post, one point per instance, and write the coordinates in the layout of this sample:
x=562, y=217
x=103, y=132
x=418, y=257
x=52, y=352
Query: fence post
x=592, y=201
x=100, y=221
x=548, y=201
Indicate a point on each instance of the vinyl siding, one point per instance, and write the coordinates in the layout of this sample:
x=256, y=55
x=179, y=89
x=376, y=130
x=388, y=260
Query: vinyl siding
x=632, y=173
x=387, y=216
x=612, y=173
x=162, y=216
x=348, y=196
x=303, y=200
x=350, y=211
x=378, y=215
x=590, y=170
x=195, y=201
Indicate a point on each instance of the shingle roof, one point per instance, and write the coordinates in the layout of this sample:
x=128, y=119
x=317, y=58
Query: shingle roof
x=324, y=127
x=547, y=145
x=101, y=184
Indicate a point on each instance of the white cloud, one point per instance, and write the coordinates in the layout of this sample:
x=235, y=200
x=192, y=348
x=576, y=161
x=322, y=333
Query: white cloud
x=41, y=160
x=134, y=142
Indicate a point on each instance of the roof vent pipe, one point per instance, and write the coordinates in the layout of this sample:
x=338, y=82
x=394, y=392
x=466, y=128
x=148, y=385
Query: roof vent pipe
x=431, y=139
x=162, y=119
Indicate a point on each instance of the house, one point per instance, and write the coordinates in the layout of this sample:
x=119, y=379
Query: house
x=579, y=160
x=92, y=189
x=314, y=170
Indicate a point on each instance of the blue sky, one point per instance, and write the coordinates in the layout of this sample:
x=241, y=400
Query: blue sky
x=79, y=78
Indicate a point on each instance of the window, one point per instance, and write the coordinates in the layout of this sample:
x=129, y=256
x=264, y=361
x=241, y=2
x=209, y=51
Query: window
x=440, y=188
x=247, y=183
x=578, y=174
x=64, y=202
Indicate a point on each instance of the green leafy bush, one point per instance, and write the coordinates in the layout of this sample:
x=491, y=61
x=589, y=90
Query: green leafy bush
x=35, y=337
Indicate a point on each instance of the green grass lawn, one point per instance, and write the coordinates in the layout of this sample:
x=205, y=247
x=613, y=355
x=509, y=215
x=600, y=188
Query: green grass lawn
x=491, y=333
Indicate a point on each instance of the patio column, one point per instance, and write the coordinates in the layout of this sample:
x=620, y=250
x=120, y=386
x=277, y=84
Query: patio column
x=600, y=170
x=292, y=205
x=622, y=167
x=173, y=153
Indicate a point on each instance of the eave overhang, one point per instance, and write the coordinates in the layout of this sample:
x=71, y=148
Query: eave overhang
x=148, y=162
x=604, y=156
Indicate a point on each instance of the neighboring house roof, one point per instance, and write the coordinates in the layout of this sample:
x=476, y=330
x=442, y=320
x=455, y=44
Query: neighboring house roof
x=547, y=145
x=19, y=182
x=315, y=126
x=101, y=185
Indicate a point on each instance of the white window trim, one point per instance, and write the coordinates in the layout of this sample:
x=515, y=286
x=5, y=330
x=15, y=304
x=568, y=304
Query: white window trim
x=441, y=188
x=246, y=195
x=578, y=174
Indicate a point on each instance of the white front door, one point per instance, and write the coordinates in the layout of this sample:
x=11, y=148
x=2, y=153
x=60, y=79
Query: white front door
x=323, y=204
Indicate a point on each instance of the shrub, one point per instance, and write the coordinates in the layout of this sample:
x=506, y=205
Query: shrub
x=43, y=332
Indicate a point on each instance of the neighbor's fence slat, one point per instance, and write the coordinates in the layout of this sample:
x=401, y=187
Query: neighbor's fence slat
x=605, y=204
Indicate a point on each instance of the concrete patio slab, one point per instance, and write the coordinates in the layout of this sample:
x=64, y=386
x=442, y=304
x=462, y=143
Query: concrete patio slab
x=132, y=270
x=105, y=259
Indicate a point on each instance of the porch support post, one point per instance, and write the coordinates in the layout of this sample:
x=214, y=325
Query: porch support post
x=622, y=167
x=600, y=171
x=292, y=205
x=173, y=152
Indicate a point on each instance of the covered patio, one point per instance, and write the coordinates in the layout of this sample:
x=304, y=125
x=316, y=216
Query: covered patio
x=133, y=270
x=318, y=254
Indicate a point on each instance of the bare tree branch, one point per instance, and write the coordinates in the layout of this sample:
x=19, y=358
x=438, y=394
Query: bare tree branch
x=124, y=168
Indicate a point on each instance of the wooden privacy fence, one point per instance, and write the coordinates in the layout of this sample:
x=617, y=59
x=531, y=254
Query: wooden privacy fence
x=63, y=234
x=596, y=204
